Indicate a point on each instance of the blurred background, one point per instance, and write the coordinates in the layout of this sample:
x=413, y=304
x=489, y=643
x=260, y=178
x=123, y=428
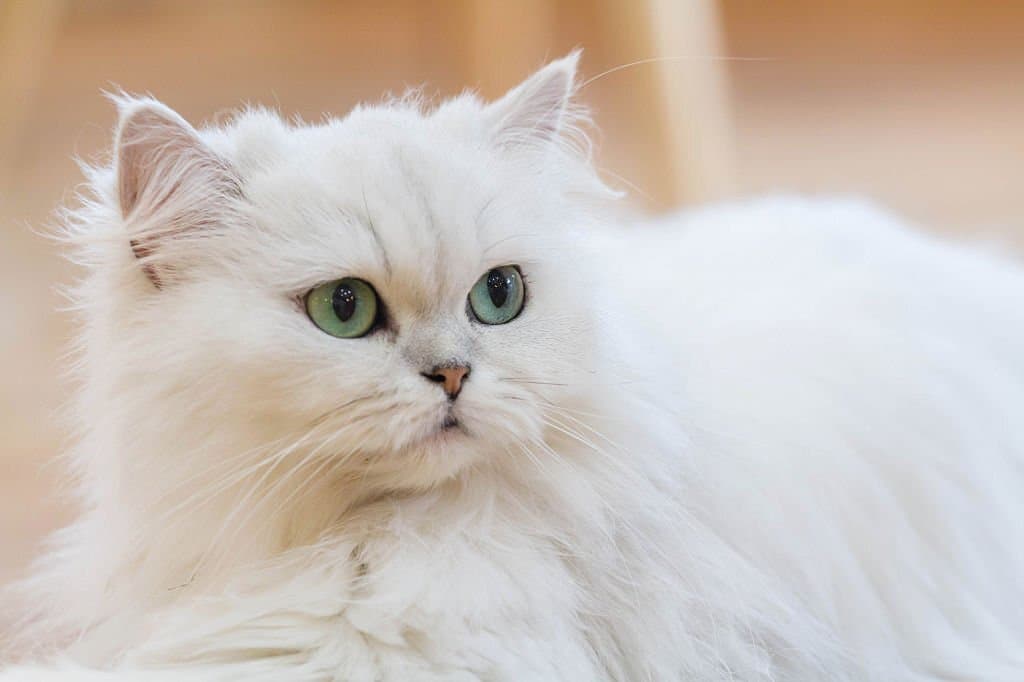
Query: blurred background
x=919, y=105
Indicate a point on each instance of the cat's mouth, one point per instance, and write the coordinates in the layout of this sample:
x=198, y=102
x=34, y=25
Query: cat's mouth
x=449, y=427
x=445, y=429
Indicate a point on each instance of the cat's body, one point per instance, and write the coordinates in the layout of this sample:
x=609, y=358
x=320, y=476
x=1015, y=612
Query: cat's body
x=768, y=441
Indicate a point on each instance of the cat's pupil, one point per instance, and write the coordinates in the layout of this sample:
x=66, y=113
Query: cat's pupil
x=344, y=301
x=497, y=287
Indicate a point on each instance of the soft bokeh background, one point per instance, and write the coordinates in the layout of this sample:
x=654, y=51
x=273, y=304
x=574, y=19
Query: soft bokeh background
x=917, y=104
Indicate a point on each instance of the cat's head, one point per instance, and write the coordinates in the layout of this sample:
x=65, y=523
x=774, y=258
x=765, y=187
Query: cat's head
x=394, y=294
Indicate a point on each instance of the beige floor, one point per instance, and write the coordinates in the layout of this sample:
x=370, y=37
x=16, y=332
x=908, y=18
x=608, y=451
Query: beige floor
x=918, y=104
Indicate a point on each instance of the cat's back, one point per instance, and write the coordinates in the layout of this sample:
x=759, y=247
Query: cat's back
x=852, y=388
x=792, y=257
x=839, y=280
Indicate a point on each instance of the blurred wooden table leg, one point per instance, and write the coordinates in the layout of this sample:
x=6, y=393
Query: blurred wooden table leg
x=692, y=98
x=27, y=32
x=688, y=99
x=683, y=99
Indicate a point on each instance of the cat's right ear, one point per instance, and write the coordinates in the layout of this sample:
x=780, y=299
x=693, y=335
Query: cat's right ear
x=171, y=186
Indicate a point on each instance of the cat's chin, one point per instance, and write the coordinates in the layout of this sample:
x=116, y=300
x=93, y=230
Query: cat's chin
x=437, y=454
x=434, y=461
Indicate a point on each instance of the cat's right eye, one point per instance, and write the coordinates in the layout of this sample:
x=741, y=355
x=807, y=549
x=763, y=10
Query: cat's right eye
x=346, y=308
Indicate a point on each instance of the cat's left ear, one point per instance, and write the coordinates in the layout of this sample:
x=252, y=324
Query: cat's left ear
x=534, y=112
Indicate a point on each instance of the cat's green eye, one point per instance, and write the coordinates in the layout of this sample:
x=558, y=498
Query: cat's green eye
x=346, y=308
x=497, y=297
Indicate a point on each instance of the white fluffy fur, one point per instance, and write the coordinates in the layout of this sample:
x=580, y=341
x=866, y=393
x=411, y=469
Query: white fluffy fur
x=776, y=440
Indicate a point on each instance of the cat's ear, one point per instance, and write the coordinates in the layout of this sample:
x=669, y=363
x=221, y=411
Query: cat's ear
x=534, y=112
x=171, y=186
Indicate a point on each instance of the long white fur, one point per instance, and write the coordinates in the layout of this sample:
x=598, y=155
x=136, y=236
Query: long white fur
x=773, y=440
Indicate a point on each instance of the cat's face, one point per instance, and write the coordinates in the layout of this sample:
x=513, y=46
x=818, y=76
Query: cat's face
x=398, y=288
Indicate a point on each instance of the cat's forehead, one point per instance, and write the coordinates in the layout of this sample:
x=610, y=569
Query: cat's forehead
x=391, y=195
x=380, y=148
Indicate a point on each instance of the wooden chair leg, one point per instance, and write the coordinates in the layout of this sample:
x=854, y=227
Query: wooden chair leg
x=687, y=100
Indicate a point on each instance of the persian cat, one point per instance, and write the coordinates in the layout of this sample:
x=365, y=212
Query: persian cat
x=398, y=397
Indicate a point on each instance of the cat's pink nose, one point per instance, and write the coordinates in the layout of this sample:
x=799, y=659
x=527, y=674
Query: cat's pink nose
x=451, y=376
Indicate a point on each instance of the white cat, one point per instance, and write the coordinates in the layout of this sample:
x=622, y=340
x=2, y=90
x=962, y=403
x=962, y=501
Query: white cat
x=388, y=398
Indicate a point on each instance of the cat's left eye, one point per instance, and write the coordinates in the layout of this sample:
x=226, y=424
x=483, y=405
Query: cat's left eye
x=346, y=308
x=498, y=296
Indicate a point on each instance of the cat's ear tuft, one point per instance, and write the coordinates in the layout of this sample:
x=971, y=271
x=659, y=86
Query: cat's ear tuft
x=535, y=111
x=171, y=186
